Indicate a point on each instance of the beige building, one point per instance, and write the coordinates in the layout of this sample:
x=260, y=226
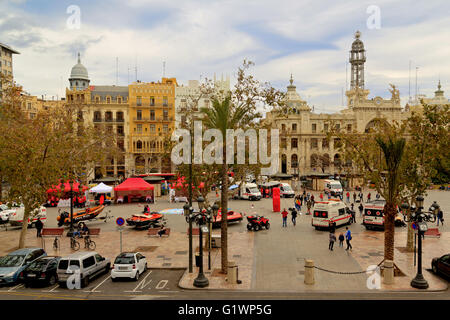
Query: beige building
x=304, y=149
x=6, y=65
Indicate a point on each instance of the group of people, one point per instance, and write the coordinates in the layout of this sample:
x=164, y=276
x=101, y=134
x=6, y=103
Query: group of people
x=304, y=198
x=347, y=237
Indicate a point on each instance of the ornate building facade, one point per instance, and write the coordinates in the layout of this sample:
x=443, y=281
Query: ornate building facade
x=304, y=147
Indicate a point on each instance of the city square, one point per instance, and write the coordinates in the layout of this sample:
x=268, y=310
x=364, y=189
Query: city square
x=192, y=152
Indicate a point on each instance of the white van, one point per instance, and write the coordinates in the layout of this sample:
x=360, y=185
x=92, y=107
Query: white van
x=250, y=191
x=332, y=187
x=286, y=191
x=16, y=217
x=329, y=212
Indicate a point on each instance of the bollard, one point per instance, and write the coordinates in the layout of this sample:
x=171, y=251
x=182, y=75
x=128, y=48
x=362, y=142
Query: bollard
x=232, y=272
x=388, y=272
x=309, y=272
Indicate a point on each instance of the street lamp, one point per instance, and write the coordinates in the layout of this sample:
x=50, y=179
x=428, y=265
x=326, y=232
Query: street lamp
x=420, y=218
x=70, y=232
x=188, y=214
x=201, y=281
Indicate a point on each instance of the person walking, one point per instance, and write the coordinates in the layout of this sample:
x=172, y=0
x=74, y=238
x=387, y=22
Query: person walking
x=440, y=216
x=284, y=214
x=361, y=208
x=354, y=197
x=294, y=216
x=341, y=240
x=312, y=200
x=298, y=204
x=39, y=225
x=361, y=196
x=353, y=216
x=332, y=240
x=348, y=196
x=348, y=238
x=308, y=205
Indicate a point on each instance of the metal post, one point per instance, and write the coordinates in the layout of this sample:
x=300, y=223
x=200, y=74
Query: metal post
x=209, y=245
x=201, y=281
x=120, y=229
x=190, y=206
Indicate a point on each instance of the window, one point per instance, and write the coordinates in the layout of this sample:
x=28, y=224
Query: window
x=98, y=258
x=349, y=128
x=314, y=143
x=152, y=128
x=314, y=128
x=139, y=145
x=283, y=143
x=294, y=127
x=120, y=131
x=32, y=115
x=152, y=101
x=165, y=102
x=283, y=127
x=165, y=128
x=341, y=211
x=325, y=127
x=152, y=114
x=165, y=115
x=139, y=101
x=119, y=99
x=139, y=115
x=139, y=128
x=88, y=262
x=294, y=143
x=108, y=100
x=325, y=144
x=29, y=105
x=97, y=99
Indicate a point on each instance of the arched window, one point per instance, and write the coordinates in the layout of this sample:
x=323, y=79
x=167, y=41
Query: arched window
x=139, y=145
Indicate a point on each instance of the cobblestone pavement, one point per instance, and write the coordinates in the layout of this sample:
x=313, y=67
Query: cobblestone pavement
x=268, y=260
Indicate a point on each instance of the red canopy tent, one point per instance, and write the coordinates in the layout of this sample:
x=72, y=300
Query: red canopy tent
x=134, y=188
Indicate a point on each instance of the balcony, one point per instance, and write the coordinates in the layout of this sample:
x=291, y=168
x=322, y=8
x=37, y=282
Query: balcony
x=153, y=106
x=97, y=119
x=138, y=119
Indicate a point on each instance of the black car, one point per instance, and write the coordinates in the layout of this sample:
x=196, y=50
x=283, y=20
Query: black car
x=441, y=265
x=41, y=271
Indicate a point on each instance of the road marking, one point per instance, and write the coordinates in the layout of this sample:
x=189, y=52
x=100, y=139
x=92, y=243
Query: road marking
x=52, y=290
x=164, y=283
x=16, y=287
x=93, y=290
x=142, y=284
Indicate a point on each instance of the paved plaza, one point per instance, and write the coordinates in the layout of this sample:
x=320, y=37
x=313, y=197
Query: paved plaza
x=268, y=260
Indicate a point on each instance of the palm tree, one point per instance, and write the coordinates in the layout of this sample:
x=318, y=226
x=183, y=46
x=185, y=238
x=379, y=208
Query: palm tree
x=393, y=148
x=224, y=115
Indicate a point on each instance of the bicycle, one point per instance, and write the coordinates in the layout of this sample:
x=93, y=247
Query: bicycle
x=88, y=243
x=74, y=244
x=56, y=243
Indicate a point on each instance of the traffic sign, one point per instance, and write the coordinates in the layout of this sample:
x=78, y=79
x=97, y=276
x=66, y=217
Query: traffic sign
x=414, y=226
x=120, y=221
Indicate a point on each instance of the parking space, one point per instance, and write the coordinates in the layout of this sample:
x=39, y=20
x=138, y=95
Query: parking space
x=153, y=281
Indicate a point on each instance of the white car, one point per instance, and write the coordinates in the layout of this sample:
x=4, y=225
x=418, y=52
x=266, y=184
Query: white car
x=128, y=265
x=16, y=216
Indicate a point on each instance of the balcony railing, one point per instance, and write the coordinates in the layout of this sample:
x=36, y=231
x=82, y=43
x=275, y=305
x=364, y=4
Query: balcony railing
x=153, y=106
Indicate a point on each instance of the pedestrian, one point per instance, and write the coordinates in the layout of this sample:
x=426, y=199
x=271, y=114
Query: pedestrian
x=308, y=205
x=351, y=206
x=161, y=231
x=348, y=196
x=329, y=195
x=361, y=196
x=39, y=225
x=361, y=208
x=377, y=196
x=284, y=214
x=312, y=200
x=354, y=197
x=297, y=204
x=353, y=219
x=332, y=240
x=440, y=216
x=348, y=238
x=341, y=240
x=368, y=197
x=321, y=196
x=294, y=216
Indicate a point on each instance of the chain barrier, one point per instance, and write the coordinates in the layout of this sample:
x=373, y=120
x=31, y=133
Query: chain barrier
x=340, y=272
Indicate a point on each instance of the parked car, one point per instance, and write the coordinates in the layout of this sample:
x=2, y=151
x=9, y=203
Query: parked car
x=441, y=265
x=42, y=271
x=89, y=264
x=128, y=265
x=15, y=262
x=4, y=213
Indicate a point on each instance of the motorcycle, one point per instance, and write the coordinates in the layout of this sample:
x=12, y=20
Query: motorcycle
x=257, y=223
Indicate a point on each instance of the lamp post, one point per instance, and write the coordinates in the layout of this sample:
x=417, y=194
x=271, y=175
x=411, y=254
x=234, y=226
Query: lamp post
x=70, y=232
x=420, y=218
x=201, y=281
x=188, y=214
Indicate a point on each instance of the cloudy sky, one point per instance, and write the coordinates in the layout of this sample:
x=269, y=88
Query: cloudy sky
x=197, y=38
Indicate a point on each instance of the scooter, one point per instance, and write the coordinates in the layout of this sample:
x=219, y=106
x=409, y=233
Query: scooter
x=256, y=223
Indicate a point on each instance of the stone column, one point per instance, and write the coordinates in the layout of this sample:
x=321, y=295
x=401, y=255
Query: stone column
x=309, y=272
x=388, y=272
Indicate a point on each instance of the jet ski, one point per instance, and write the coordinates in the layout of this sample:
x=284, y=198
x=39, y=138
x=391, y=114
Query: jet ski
x=233, y=216
x=145, y=220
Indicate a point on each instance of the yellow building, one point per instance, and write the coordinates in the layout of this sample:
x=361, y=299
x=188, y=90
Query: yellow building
x=6, y=66
x=152, y=121
x=32, y=105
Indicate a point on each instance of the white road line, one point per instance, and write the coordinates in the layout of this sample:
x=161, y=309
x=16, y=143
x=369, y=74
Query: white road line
x=52, y=290
x=142, y=284
x=93, y=290
x=16, y=287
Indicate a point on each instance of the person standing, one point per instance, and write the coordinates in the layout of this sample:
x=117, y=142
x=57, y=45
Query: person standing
x=354, y=197
x=368, y=197
x=361, y=208
x=348, y=238
x=440, y=216
x=312, y=200
x=284, y=214
x=361, y=196
x=332, y=240
x=341, y=240
x=377, y=196
x=39, y=225
x=348, y=196
x=321, y=196
x=298, y=205
x=294, y=216
x=353, y=216
x=308, y=205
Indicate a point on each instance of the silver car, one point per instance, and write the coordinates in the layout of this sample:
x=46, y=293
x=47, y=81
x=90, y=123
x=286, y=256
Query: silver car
x=77, y=269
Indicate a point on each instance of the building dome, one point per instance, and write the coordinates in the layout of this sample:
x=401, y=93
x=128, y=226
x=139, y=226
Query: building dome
x=79, y=71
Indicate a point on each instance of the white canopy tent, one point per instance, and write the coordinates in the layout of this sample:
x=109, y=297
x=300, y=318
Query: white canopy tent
x=101, y=188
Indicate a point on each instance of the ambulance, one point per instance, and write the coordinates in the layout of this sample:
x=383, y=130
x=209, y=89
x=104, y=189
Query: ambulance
x=332, y=187
x=333, y=211
x=374, y=216
x=286, y=191
x=250, y=191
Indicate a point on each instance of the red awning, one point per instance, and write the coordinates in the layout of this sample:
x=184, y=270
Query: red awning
x=132, y=184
